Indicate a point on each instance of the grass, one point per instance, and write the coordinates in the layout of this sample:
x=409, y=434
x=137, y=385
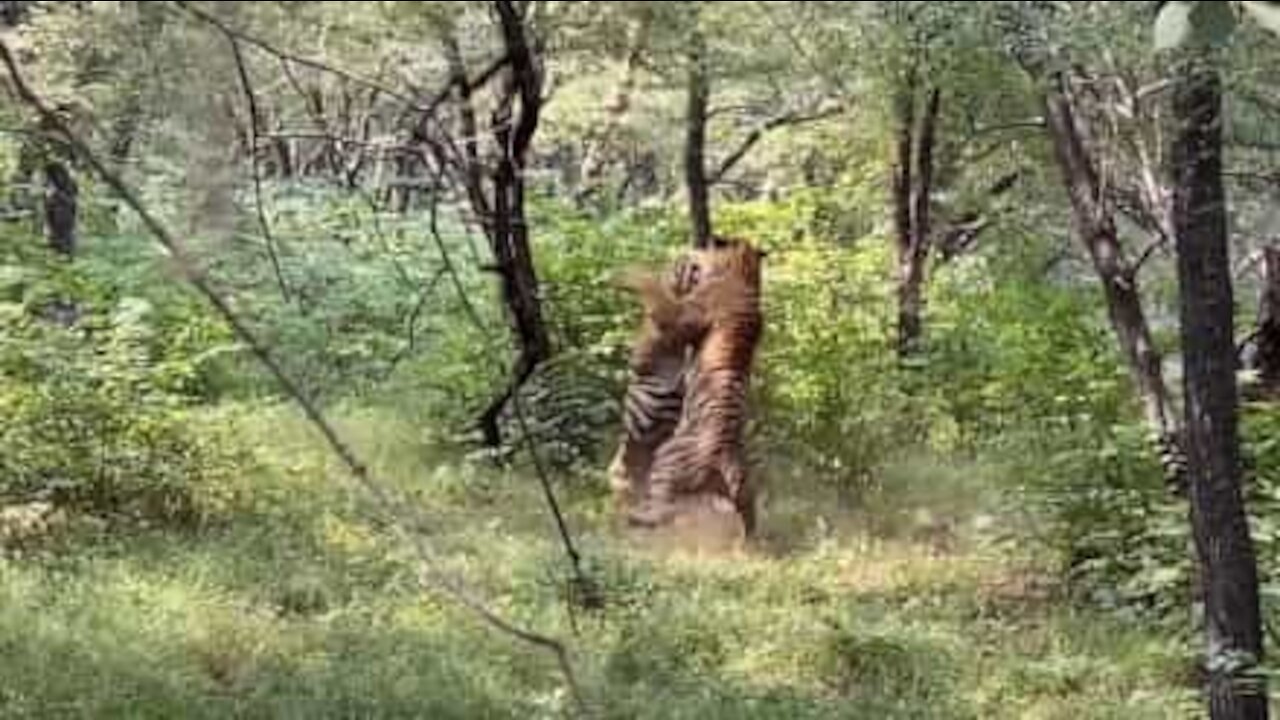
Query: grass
x=301, y=604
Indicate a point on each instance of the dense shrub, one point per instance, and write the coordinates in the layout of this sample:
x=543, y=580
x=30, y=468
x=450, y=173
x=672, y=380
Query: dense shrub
x=97, y=413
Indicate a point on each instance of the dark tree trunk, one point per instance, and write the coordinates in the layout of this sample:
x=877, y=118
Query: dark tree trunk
x=1095, y=226
x=13, y=12
x=1228, y=571
x=913, y=189
x=514, y=123
x=61, y=207
x=1268, y=331
x=695, y=143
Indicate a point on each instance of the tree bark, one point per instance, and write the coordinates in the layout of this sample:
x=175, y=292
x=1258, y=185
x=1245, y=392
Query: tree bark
x=913, y=189
x=508, y=228
x=1268, y=331
x=13, y=12
x=1095, y=226
x=695, y=144
x=61, y=208
x=1228, y=570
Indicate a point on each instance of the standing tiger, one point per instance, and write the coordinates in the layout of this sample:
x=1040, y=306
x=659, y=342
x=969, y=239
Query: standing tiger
x=703, y=466
x=654, y=398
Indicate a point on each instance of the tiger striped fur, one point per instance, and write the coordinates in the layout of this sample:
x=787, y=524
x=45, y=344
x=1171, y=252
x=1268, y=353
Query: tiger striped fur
x=703, y=465
x=654, y=398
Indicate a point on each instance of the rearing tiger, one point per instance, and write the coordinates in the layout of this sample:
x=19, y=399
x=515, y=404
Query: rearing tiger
x=704, y=461
x=655, y=391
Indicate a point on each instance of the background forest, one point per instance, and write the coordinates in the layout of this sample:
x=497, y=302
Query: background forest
x=237, y=237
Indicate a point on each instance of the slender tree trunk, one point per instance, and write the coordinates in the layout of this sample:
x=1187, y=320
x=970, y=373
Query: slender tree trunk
x=1268, y=331
x=21, y=195
x=695, y=144
x=1095, y=226
x=1228, y=570
x=913, y=189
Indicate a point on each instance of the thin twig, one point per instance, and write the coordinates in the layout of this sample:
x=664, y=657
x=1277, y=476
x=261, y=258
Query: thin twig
x=1159, y=243
x=432, y=577
x=791, y=119
x=312, y=63
x=544, y=478
x=340, y=141
x=255, y=129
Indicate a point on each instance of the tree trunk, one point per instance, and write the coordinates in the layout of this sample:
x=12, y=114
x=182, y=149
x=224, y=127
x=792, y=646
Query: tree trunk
x=508, y=228
x=1268, y=331
x=1095, y=226
x=695, y=143
x=61, y=207
x=1228, y=571
x=13, y=12
x=912, y=189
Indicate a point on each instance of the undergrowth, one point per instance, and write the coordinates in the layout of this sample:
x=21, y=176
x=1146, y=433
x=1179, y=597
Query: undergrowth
x=305, y=605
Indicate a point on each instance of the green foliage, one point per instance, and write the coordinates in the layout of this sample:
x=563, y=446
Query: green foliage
x=1012, y=355
x=832, y=399
x=1260, y=425
x=310, y=605
x=96, y=406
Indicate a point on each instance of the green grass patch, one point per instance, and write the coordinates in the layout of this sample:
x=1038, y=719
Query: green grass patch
x=304, y=605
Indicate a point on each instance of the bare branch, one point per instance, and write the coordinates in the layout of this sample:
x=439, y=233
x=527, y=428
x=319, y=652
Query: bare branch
x=1160, y=242
x=1036, y=123
x=1248, y=264
x=1255, y=178
x=431, y=576
x=342, y=141
x=961, y=234
x=1146, y=92
x=314, y=64
x=255, y=128
x=791, y=119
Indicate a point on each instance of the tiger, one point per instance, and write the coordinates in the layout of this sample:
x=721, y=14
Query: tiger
x=703, y=462
x=654, y=397
x=660, y=359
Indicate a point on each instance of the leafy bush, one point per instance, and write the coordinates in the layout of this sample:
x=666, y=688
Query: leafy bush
x=1028, y=372
x=831, y=397
x=95, y=415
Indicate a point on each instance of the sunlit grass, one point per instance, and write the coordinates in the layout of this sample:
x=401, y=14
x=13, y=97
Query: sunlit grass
x=303, y=605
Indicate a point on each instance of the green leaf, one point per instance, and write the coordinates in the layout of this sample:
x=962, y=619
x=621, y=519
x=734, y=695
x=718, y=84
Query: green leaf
x=1173, y=25
x=1266, y=14
x=1214, y=22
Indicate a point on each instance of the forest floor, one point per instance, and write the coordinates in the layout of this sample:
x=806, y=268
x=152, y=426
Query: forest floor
x=299, y=603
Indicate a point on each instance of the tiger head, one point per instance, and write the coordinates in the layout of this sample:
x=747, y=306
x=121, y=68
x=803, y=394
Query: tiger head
x=734, y=256
x=722, y=279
